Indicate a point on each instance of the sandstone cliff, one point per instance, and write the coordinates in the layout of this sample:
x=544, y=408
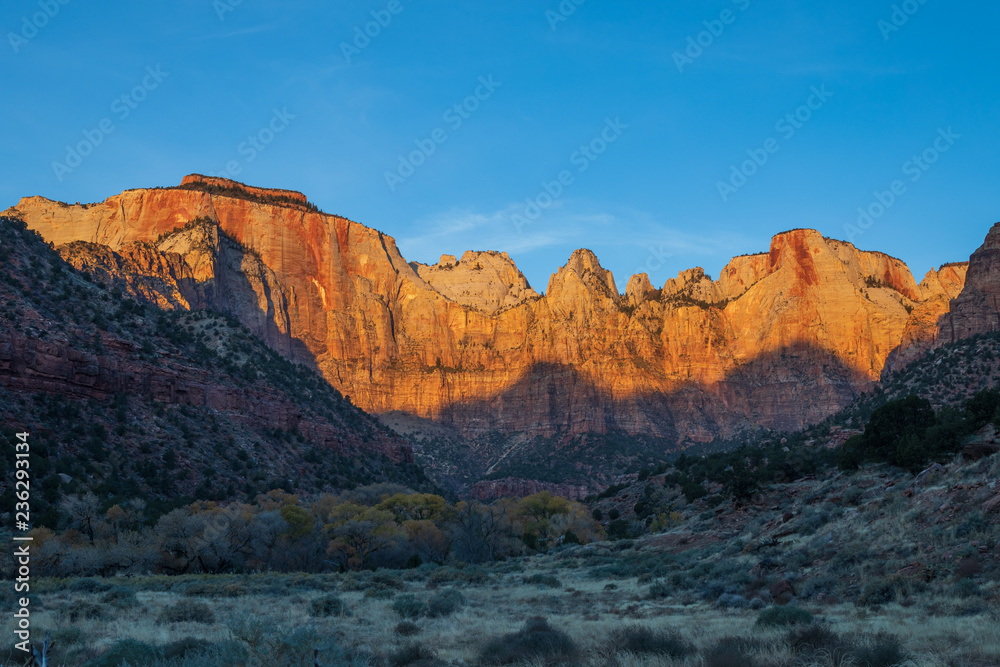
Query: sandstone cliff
x=977, y=309
x=781, y=339
x=155, y=389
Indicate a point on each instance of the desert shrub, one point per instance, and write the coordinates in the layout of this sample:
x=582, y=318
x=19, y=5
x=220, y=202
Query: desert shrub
x=67, y=636
x=407, y=629
x=881, y=650
x=966, y=588
x=122, y=597
x=126, y=651
x=659, y=589
x=815, y=637
x=248, y=628
x=188, y=611
x=408, y=606
x=812, y=521
x=226, y=653
x=731, y=601
x=882, y=591
x=88, y=585
x=443, y=575
x=414, y=655
x=536, y=640
x=384, y=580
x=445, y=603
x=300, y=647
x=731, y=652
x=328, y=605
x=693, y=491
x=643, y=640
x=852, y=495
x=618, y=529
x=79, y=611
x=781, y=616
x=544, y=580
x=182, y=648
x=383, y=586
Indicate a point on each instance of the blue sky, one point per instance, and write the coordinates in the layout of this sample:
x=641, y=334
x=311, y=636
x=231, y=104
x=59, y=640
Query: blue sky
x=200, y=77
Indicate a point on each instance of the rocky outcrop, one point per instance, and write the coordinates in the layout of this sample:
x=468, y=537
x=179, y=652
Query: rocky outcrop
x=977, y=309
x=781, y=339
x=937, y=290
x=198, y=181
x=486, y=281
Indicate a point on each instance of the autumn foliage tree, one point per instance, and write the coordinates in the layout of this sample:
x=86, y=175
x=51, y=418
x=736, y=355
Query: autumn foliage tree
x=379, y=526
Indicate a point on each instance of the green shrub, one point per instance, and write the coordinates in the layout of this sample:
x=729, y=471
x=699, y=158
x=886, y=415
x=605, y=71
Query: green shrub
x=408, y=606
x=781, y=616
x=536, y=640
x=328, y=605
x=445, y=603
x=121, y=597
x=188, y=611
x=659, y=589
x=407, y=629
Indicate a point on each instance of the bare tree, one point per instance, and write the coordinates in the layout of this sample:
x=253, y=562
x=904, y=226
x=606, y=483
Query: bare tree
x=83, y=513
x=481, y=533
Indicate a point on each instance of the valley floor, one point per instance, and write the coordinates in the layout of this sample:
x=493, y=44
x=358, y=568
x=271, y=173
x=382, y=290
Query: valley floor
x=414, y=617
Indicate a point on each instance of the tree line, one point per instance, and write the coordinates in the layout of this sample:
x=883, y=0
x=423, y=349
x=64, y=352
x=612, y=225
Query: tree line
x=382, y=525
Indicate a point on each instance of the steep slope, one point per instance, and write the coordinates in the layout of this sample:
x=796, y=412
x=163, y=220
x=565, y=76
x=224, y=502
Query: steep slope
x=977, y=309
x=782, y=339
x=130, y=402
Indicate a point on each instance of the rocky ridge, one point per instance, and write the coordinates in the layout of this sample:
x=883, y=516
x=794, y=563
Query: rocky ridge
x=782, y=339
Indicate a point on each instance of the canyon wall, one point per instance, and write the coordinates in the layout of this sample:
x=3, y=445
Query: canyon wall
x=781, y=339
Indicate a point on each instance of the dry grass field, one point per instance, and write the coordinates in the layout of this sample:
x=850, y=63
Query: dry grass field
x=415, y=617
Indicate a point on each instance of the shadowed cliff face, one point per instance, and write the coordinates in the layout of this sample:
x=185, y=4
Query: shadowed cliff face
x=977, y=309
x=783, y=338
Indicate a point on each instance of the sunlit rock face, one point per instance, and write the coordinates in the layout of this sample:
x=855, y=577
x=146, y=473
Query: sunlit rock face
x=781, y=339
